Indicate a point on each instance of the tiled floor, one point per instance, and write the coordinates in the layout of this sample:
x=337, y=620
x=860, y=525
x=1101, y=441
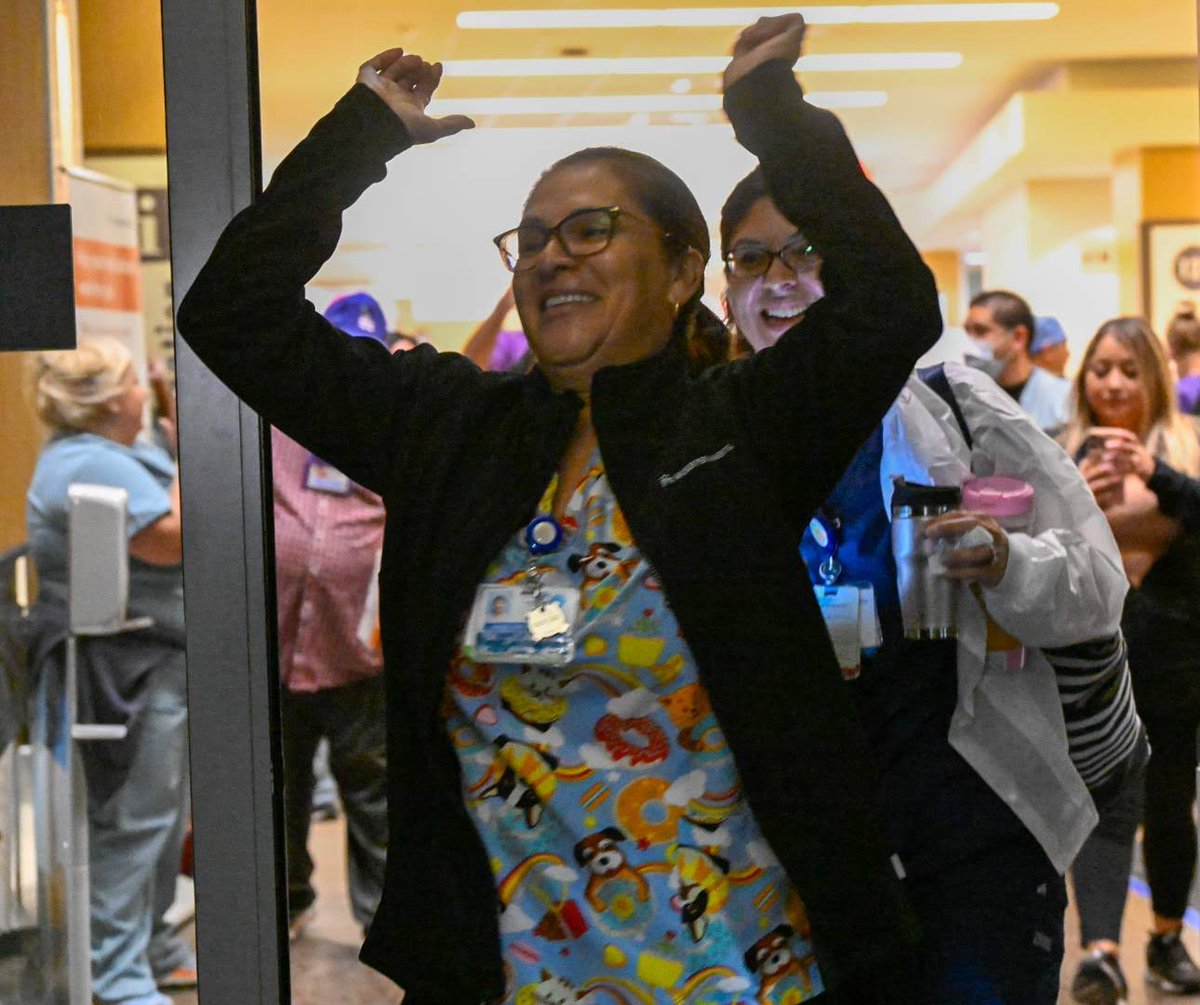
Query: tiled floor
x=326, y=971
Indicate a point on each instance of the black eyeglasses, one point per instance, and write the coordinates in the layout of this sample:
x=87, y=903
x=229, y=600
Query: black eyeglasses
x=750, y=259
x=581, y=233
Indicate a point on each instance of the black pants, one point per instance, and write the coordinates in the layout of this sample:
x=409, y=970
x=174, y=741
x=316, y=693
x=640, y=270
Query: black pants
x=1169, y=838
x=352, y=718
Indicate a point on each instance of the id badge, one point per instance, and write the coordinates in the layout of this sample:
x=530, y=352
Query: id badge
x=868, y=619
x=508, y=626
x=841, y=607
x=322, y=477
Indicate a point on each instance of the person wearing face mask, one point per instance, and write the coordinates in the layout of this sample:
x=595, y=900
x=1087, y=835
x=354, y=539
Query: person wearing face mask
x=1141, y=458
x=1001, y=328
x=619, y=752
x=984, y=807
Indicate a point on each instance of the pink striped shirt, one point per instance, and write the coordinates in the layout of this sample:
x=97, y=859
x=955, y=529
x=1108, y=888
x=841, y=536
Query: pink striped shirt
x=326, y=559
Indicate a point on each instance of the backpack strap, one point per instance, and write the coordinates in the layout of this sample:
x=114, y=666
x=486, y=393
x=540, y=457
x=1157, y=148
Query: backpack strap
x=935, y=379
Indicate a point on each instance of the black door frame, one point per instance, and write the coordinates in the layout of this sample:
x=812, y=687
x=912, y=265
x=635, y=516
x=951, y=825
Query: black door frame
x=214, y=166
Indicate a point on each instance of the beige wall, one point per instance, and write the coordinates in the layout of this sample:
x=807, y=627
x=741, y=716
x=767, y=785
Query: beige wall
x=1149, y=184
x=1051, y=241
x=121, y=76
x=947, y=267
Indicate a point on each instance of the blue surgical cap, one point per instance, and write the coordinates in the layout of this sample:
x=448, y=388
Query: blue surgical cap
x=358, y=314
x=1046, y=332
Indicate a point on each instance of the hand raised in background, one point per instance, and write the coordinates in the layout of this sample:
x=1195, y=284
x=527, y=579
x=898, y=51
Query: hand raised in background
x=780, y=37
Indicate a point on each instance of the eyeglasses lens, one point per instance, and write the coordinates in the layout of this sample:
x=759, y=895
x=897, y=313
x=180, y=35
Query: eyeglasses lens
x=750, y=260
x=581, y=233
x=799, y=256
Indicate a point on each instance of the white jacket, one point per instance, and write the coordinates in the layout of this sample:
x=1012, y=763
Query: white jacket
x=1064, y=584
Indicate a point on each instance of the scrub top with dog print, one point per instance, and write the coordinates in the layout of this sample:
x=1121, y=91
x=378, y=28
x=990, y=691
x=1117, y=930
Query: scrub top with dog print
x=629, y=868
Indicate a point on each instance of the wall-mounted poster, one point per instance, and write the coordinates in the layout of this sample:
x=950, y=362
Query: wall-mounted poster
x=1170, y=268
x=108, y=276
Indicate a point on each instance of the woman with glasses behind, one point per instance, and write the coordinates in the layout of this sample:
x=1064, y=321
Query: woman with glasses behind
x=977, y=788
x=579, y=643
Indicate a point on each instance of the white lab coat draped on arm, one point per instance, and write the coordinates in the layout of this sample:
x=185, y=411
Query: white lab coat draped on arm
x=1064, y=584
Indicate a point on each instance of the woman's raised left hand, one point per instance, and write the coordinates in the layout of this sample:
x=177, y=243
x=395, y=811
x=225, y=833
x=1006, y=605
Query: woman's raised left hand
x=780, y=37
x=985, y=563
x=406, y=82
x=1127, y=453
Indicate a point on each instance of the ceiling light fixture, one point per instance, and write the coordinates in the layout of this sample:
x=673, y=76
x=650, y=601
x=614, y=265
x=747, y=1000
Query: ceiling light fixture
x=625, y=104
x=677, y=65
x=707, y=17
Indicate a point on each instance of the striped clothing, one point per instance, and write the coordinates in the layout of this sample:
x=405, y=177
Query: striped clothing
x=1097, y=701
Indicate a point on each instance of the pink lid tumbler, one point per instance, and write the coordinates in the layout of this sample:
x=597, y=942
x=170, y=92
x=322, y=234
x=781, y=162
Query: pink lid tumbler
x=1008, y=501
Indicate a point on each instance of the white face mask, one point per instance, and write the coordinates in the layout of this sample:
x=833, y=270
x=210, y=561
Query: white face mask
x=982, y=356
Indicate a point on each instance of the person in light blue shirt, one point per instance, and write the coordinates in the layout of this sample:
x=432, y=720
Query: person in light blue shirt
x=1001, y=325
x=93, y=404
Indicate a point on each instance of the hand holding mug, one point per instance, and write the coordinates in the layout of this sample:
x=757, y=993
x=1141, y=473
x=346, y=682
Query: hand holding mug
x=982, y=563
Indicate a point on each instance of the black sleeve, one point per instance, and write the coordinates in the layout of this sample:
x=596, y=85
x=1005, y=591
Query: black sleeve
x=812, y=399
x=247, y=318
x=1178, y=495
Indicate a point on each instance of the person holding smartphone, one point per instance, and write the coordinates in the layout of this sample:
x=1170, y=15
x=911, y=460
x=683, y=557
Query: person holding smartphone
x=1141, y=457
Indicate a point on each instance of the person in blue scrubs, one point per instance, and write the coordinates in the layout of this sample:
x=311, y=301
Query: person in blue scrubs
x=93, y=403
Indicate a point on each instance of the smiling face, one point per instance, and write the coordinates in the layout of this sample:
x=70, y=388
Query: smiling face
x=1114, y=386
x=612, y=307
x=764, y=307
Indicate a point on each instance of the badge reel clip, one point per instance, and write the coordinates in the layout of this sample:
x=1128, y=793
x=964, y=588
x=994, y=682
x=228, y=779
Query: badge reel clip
x=530, y=622
x=849, y=611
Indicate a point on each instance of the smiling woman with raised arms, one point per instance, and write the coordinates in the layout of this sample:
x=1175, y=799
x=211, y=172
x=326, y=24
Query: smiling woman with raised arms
x=620, y=753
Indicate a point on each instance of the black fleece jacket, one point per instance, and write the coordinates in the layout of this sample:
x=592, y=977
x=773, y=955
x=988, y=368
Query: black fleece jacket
x=712, y=475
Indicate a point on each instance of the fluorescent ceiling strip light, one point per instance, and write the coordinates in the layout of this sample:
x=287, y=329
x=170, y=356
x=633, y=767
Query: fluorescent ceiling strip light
x=683, y=65
x=707, y=17
x=621, y=104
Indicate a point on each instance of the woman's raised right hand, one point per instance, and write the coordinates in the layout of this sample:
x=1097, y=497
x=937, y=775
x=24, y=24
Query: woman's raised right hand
x=406, y=82
x=1105, y=481
x=777, y=37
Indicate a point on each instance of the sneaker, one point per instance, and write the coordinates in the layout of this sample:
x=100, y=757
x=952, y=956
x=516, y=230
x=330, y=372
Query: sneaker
x=1169, y=967
x=300, y=921
x=179, y=979
x=1099, y=981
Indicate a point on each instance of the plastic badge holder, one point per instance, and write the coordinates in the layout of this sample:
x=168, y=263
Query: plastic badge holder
x=498, y=628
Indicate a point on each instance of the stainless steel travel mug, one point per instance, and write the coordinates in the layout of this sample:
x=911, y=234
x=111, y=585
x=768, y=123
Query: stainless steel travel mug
x=928, y=600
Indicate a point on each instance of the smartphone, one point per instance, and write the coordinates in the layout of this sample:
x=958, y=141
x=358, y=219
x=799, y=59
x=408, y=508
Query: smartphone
x=1092, y=449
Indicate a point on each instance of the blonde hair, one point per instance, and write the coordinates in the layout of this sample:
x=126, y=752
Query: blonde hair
x=72, y=387
x=1171, y=435
x=1183, y=330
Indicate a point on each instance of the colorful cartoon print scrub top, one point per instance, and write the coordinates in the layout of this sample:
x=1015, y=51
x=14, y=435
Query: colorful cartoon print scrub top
x=629, y=869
